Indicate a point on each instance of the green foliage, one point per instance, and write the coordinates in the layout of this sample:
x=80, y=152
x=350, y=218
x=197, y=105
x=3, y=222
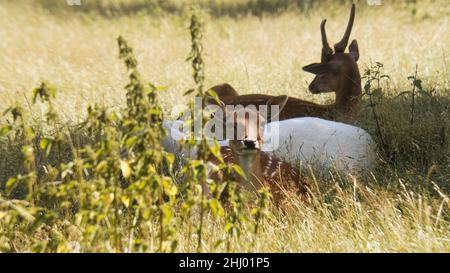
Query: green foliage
x=117, y=192
x=411, y=128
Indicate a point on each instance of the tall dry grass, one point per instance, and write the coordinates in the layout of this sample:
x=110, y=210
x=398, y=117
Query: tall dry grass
x=255, y=54
x=402, y=206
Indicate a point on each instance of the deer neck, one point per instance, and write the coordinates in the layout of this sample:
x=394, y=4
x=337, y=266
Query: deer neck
x=251, y=166
x=347, y=99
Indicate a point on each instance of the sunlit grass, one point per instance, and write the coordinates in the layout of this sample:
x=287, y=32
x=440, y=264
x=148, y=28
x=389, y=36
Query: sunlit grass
x=253, y=54
x=402, y=207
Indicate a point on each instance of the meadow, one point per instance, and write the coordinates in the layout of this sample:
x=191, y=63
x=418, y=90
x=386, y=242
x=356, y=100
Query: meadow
x=59, y=162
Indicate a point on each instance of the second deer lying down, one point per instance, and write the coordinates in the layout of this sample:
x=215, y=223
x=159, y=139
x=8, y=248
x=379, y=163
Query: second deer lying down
x=322, y=144
x=337, y=72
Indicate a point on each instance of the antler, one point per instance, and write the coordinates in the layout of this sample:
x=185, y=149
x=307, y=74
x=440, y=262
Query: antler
x=326, y=49
x=340, y=47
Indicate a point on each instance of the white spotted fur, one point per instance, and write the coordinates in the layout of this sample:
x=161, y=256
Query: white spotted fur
x=322, y=143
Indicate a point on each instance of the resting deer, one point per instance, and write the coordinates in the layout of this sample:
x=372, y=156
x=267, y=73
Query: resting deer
x=323, y=144
x=175, y=127
x=260, y=168
x=337, y=72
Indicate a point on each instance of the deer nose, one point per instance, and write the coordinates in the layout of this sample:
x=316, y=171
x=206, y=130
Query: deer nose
x=312, y=88
x=250, y=144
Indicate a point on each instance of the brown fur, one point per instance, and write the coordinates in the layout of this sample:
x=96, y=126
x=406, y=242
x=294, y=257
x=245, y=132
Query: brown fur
x=278, y=176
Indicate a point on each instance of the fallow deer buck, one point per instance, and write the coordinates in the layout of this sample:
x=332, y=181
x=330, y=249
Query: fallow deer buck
x=337, y=72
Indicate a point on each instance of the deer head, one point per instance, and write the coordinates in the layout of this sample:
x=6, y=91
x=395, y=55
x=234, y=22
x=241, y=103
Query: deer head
x=337, y=71
x=247, y=141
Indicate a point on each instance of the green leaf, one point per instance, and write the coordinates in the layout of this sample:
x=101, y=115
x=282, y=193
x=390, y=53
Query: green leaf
x=213, y=95
x=10, y=184
x=169, y=157
x=254, y=211
x=154, y=111
x=29, y=132
x=66, y=169
x=16, y=112
x=188, y=92
x=228, y=227
x=161, y=88
x=44, y=143
x=27, y=150
x=167, y=213
x=4, y=130
x=215, y=150
x=214, y=204
x=130, y=142
x=101, y=167
x=125, y=201
x=125, y=168
x=218, y=243
x=216, y=207
x=169, y=187
x=418, y=83
x=238, y=170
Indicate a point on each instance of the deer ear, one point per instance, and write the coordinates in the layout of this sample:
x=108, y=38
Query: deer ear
x=313, y=68
x=321, y=68
x=280, y=101
x=354, y=50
